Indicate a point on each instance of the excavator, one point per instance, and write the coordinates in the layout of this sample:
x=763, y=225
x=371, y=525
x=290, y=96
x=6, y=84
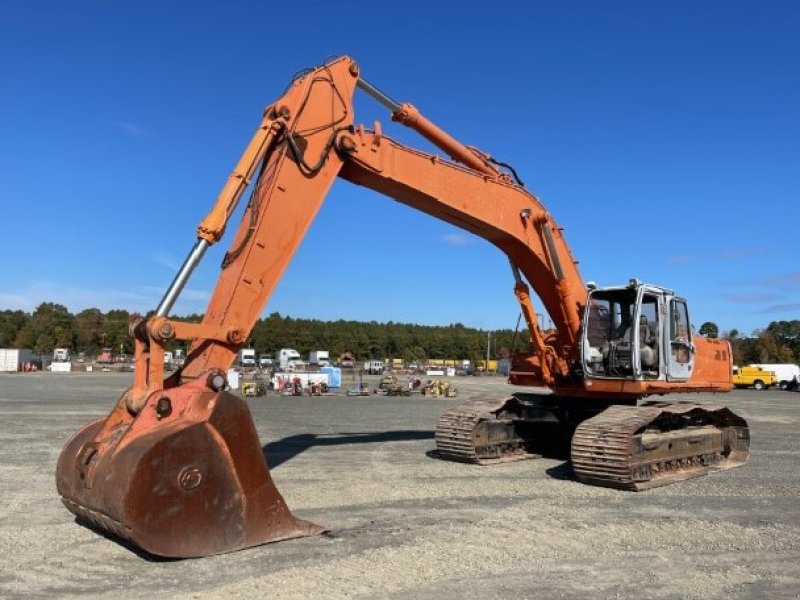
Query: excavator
x=177, y=468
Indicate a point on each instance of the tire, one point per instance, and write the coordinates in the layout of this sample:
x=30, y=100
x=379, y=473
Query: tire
x=784, y=385
x=758, y=384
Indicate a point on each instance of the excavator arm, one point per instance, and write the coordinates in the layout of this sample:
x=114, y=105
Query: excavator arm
x=177, y=467
x=495, y=209
x=306, y=139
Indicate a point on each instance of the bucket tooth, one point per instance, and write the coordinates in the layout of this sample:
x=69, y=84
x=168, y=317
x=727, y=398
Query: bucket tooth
x=193, y=483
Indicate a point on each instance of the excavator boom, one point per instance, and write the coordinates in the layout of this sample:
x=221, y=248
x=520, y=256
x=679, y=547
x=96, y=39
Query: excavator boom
x=177, y=467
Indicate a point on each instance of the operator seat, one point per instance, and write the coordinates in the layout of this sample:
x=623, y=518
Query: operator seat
x=648, y=346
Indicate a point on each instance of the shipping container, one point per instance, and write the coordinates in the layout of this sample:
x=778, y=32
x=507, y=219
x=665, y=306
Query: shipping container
x=13, y=359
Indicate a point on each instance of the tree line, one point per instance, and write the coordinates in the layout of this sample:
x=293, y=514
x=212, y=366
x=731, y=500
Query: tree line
x=778, y=343
x=51, y=325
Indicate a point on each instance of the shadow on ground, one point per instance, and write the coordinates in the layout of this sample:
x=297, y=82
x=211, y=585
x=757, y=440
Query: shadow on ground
x=563, y=471
x=128, y=545
x=280, y=451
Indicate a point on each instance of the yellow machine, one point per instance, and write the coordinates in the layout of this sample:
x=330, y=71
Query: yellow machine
x=437, y=388
x=754, y=377
x=254, y=388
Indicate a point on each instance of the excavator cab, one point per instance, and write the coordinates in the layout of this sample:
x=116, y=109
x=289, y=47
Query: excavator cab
x=637, y=332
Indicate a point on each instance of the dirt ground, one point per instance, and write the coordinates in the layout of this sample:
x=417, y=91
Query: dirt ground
x=404, y=524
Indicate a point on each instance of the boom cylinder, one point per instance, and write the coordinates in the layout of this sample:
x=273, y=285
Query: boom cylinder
x=409, y=115
x=378, y=95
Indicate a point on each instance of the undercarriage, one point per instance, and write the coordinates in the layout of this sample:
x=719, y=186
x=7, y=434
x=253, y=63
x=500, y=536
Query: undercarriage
x=620, y=446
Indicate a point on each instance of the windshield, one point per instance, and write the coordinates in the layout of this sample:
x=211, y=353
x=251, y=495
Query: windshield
x=612, y=328
x=608, y=333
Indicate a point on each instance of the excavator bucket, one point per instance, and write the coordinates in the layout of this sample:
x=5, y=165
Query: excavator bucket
x=185, y=477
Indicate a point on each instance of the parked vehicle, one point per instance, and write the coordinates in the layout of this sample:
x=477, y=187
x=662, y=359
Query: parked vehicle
x=247, y=357
x=373, y=367
x=178, y=357
x=254, y=388
x=106, y=356
x=754, y=377
x=788, y=375
x=61, y=355
x=289, y=359
x=319, y=357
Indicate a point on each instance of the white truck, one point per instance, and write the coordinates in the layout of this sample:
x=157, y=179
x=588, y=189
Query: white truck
x=61, y=361
x=247, y=357
x=61, y=355
x=289, y=359
x=319, y=357
x=788, y=375
x=178, y=357
x=373, y=367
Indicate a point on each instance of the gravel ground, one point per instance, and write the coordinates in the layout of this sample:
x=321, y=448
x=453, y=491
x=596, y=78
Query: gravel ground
x=404, y=524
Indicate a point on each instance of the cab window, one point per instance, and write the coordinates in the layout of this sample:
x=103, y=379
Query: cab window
x=679, y=331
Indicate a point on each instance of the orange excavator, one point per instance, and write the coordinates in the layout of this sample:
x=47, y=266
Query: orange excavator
x=177, y=468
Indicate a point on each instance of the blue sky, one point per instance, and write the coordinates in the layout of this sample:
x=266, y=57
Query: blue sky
x=664, y=137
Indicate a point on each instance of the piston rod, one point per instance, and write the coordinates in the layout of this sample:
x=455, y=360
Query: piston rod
x=378, y=95
x=175, y=289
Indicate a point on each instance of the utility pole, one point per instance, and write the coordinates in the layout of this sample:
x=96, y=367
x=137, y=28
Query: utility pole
x=488, y=345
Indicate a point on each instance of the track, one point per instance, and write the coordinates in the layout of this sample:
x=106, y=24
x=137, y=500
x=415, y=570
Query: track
x=641, y=447
x=477, y=432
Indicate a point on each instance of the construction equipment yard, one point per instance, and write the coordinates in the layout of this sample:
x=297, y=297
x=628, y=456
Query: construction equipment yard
x=404, y=524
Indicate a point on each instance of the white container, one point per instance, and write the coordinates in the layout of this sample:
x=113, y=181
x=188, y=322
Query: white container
x=305, y=378
x=233, y=379
x=12, y=358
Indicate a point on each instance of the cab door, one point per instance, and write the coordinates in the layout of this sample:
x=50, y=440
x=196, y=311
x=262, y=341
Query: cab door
x=680, y=350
